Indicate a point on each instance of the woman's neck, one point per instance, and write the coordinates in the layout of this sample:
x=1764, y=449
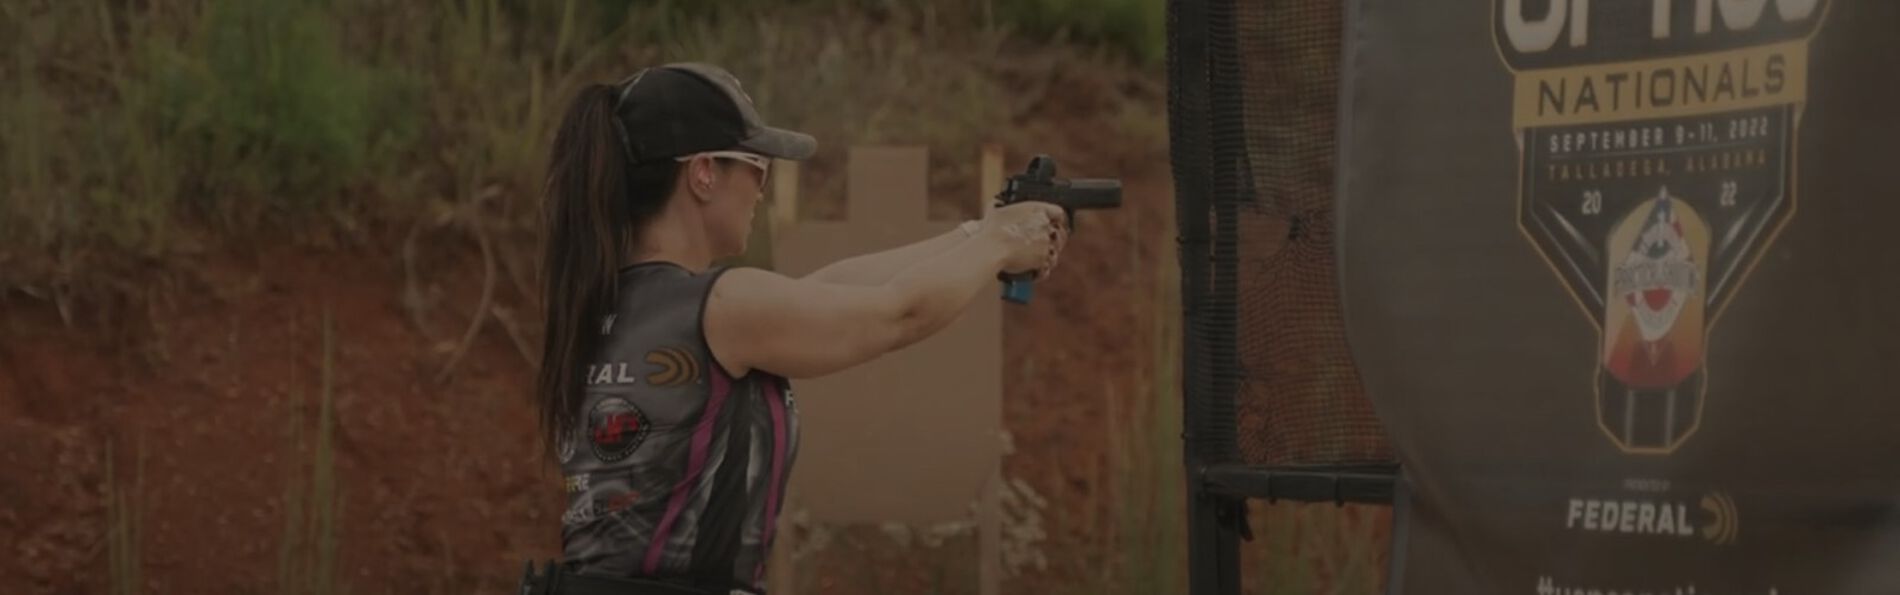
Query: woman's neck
x=675, y=236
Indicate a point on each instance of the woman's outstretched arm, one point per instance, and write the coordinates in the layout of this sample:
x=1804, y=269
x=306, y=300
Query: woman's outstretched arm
x=800, y=328
x=878, y=267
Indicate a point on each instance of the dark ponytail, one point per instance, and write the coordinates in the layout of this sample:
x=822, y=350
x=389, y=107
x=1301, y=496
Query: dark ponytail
x=595, y=206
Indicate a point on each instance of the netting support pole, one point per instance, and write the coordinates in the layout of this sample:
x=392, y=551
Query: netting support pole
x=1213, y=518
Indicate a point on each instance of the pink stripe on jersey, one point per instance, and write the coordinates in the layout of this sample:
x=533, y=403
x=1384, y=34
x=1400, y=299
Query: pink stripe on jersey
x=695, y=466
x=777, y=404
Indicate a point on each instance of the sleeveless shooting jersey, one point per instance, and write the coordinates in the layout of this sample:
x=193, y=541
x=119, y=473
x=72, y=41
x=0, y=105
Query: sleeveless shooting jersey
x=677, y=469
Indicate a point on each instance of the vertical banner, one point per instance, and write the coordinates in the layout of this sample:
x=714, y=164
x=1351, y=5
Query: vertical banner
x=1621, y=278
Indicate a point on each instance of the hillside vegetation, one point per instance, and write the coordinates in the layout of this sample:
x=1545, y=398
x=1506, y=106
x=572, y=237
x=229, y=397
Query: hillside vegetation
x=132, y=131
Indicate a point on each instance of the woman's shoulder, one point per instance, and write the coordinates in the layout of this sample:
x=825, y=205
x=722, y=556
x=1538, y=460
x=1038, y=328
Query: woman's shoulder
x=663, y=290
x=748, y=279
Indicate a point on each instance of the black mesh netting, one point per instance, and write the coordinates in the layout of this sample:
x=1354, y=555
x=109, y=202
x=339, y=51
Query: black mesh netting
x=1267, y=320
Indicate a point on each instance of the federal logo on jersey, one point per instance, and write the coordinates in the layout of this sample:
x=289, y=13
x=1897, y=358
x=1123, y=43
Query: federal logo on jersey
x=616, y=429
x=677, y=367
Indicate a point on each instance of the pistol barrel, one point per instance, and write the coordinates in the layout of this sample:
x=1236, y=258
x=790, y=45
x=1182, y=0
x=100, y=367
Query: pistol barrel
x=1093, y=194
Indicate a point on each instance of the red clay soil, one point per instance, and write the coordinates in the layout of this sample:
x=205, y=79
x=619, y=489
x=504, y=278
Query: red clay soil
x=443, y=487
x=443, y=490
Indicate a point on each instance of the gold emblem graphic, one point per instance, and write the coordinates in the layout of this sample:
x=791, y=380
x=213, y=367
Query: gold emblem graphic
x=1656, y=166
x=677, y=367
x=1724, y=519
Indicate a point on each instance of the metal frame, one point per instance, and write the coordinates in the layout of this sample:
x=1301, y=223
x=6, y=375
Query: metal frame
x=1213, y=544
x=1359, y=484
x=1204, y=87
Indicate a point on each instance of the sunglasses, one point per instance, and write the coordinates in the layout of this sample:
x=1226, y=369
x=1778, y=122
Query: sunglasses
x=763, y=163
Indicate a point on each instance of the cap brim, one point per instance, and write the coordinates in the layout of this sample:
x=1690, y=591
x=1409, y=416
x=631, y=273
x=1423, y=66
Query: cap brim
x=780, y=143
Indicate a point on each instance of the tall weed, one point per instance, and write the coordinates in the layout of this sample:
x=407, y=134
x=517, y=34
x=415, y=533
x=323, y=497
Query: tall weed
x=125, y=526
x=307, y=551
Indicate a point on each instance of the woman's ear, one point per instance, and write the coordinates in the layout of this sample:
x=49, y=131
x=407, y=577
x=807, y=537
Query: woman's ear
x=700, y=175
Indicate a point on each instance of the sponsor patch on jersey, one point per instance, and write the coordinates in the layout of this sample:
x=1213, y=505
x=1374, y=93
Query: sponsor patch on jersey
x=616, y=429
x=583, y=510
x=677, y=367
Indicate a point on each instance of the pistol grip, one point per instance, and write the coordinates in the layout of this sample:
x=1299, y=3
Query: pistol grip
x=1018, y=288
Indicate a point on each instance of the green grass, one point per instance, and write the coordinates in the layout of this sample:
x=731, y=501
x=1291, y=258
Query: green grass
x=135, y=133
x=229, y=110
x=307, y=551
x=1133, y=28
x=1136, y=28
